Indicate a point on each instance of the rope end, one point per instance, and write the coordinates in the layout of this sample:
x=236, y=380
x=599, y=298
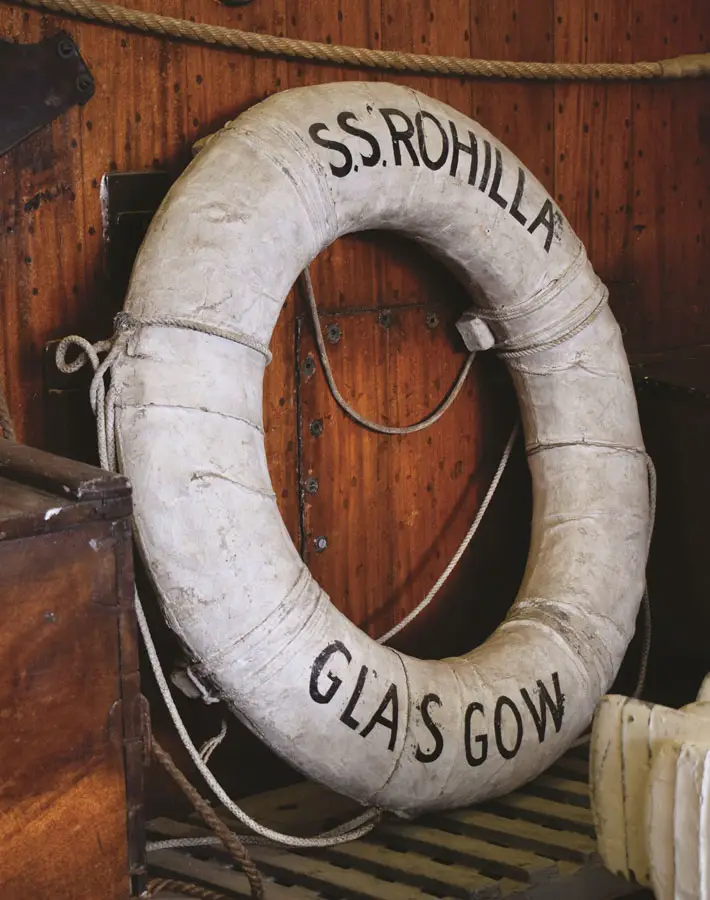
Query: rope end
x=692, y=65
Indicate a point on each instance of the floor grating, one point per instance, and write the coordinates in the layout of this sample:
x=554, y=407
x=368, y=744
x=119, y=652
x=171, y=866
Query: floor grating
x=536, y=843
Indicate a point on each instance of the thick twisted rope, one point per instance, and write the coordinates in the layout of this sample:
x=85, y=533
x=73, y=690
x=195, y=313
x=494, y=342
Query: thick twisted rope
x=157, y=885
x=691, y=66
x=231, y=842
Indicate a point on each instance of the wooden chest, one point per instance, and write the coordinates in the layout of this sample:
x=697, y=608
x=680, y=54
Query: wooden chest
x=72, y=718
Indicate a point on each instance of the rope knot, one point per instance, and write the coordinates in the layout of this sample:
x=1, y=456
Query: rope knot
x=124, y=322
x=102, y=401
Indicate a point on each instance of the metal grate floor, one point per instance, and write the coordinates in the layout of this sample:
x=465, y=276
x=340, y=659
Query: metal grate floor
x=536, y=843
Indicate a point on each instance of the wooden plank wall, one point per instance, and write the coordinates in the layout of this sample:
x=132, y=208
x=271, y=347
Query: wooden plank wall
x=628, y=164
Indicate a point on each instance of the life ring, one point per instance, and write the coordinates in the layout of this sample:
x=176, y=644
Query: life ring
x=257, y=204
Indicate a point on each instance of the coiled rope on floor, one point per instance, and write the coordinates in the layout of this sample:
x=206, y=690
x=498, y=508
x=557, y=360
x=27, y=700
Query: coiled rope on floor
x=112, y=15
x=186, y=889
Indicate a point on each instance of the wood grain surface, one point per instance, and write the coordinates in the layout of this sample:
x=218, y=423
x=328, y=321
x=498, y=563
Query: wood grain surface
x=68, y=687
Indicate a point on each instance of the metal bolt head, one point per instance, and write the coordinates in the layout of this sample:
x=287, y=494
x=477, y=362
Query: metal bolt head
x=334, y=333
x=311, y=485
x=316, y=427
x=84, y=84
x=432, y=320
x=309, y=365
x=385, y=318
x=65, y=48
x=320, y=543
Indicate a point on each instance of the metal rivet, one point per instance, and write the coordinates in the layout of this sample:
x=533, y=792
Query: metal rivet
x=309, y=365
x=385, y=318
x=316, y=427
x=432, y=320
x=320, y=543
x=311, y=485
x=334, y=333
x=84, y=83
x=65, y=48
x=50, y=616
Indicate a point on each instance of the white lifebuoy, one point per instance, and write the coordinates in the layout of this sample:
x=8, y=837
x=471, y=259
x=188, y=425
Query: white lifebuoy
x=263, y=198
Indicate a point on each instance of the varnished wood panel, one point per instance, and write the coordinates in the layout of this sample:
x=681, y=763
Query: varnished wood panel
x=632, y=166
x=41, y=220
x=393, y=508
x=610, y=168
x=593, y=136
x=519, y=115
x=62, y=791
x=671, y=186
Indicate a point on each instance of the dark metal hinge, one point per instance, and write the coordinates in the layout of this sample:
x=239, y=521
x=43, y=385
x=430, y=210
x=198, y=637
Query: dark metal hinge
x=39, y=82
x=133, y=731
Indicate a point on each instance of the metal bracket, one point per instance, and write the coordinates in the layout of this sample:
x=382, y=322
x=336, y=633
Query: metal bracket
x=39, y=82
x=191, y=685
x=129, y=201
x=137, y=731
x=646, y=385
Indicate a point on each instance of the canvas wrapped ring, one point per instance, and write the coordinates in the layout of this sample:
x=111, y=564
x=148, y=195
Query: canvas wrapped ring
x=258, y=203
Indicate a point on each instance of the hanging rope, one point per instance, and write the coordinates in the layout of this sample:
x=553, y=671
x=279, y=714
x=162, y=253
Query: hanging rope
x=468, y=537
x=7, y=428
x=231, y=842
x=645, y=600
x=690, y=66
x=453, y=393
x=646, y=611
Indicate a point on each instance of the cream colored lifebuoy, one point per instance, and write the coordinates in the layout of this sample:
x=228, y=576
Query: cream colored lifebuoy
x=263, y=198
x=650, y=787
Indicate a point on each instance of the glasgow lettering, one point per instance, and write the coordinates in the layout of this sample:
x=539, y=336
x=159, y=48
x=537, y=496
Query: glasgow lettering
x=322, y=690
x=499, y=729
x=426, y=141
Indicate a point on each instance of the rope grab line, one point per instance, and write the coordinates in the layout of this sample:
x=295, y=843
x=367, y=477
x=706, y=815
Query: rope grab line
x=687, y=66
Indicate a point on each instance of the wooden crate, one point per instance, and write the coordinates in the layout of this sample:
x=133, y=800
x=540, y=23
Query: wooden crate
x=72, y=716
